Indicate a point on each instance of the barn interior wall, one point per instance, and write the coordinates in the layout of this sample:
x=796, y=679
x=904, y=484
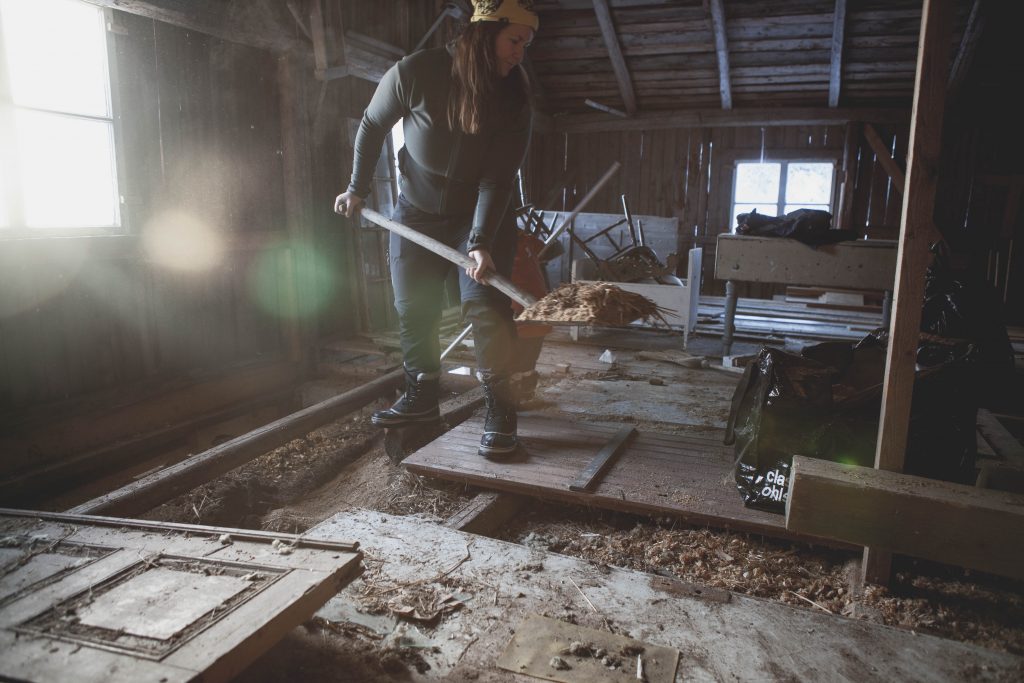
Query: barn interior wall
x=199, y=145
x=242, y=140
x=688, y=173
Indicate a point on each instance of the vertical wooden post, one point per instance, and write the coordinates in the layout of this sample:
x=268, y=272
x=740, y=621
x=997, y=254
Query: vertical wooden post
x=298, y=200
x=912, y=259
x=845, y=203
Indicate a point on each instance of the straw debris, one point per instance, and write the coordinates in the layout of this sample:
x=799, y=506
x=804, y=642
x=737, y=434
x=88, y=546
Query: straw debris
x=595, y=303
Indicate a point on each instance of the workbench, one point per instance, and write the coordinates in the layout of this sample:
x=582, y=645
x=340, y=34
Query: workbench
x=857, y=264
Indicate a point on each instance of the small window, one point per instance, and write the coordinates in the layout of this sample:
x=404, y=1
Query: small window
x=776, y=188
x=62, y=171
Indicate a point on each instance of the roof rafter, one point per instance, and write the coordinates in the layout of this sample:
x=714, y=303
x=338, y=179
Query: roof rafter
x=368, y=59
x=968, y=46
x=611, y=41
x=721, y=50
x=822, y=116
x=835, y=80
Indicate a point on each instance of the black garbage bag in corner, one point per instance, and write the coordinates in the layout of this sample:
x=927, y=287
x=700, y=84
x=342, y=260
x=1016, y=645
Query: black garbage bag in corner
x=964, y=360
x=826, y=404
x=783, y=406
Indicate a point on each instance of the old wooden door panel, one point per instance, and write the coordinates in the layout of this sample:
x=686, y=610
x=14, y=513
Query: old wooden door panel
x=123, y=600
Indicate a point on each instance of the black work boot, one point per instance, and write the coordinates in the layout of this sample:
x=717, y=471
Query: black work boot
x=417, y=405
x=499, y=437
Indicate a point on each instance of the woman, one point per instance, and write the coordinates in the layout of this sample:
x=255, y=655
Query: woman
x=466, y=118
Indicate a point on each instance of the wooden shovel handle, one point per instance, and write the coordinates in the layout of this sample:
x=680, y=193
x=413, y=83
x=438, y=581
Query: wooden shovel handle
x=500, y=283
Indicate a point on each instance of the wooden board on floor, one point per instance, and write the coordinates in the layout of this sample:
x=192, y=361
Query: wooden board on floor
x=106, y=599
x=936, y=520
x=689, y=476
x=730, y=638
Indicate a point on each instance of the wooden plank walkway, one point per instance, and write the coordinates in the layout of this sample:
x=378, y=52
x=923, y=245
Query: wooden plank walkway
x=684, y=475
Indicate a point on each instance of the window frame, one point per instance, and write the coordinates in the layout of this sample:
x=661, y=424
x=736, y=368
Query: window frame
x=784, y=160
x=17, y=228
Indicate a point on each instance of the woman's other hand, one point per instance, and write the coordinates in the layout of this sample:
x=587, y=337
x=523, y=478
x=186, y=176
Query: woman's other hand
x=348, y=204
x=484, y=265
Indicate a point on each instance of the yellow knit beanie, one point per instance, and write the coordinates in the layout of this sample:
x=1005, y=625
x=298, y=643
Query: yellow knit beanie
x=510, y=11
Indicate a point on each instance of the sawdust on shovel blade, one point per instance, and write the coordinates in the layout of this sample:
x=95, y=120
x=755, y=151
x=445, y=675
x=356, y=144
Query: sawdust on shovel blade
x=595, y=303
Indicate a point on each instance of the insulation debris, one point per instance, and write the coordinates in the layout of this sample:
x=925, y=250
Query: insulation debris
x=595, y=303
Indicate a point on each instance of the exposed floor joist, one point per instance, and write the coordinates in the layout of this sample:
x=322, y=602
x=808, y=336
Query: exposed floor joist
x=164, y=485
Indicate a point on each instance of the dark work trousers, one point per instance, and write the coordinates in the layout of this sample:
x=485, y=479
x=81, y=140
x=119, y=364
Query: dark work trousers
x=418, y=277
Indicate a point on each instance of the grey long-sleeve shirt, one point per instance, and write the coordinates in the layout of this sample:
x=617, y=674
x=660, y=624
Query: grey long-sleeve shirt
x=444, y=172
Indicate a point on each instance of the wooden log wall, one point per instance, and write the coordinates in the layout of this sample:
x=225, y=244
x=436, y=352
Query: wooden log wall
x=200, y=134
x=688, y=173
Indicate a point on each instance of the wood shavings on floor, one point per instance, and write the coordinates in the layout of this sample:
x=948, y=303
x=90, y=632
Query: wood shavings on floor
x=595, y=303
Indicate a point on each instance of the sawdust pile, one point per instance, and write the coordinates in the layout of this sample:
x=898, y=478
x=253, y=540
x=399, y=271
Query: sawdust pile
x=595, y=303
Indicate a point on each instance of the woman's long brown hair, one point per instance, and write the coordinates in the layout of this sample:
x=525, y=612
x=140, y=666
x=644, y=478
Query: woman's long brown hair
x=475, y=77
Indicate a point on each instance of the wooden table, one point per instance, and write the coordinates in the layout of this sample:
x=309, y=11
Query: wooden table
x=858, y=264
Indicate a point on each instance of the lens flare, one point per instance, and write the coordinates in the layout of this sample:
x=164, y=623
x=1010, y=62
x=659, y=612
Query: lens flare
x=180, y=241
x=293, y=280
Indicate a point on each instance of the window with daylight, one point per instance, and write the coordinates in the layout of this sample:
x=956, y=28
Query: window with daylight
x=56, y=119
x=778, y=187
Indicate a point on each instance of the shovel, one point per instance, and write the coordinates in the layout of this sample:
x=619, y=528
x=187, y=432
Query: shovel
x=495, y=280
x=502, y=284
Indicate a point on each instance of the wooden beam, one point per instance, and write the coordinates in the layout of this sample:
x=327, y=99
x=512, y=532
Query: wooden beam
x=319, y=35
x=603, y=461
x=28, y=488
x=968, y=47
x=884, y=157
x=935, y=520
x=41, y=438
x=162, y=486
x=1003, y=443
x=368, y=59
x=293, y=9
x=611, y=41
x=845, y=205
x=539, y=94
x=721, y=51
x=716, y=118
x=298, y=196
x=836, y=69
x=488, y=512
x=917, y=226
x=211, y=18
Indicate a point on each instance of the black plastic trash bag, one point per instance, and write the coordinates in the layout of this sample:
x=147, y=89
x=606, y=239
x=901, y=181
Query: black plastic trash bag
x=810, y=226
x=826, y=404
x=784, y=405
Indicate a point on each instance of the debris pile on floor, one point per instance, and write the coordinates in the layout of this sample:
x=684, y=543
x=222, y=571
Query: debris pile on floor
x=595, y=303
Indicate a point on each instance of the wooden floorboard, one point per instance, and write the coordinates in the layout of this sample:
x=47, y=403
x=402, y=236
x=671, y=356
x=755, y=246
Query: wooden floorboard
x=673, y=474
x=722, y=636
